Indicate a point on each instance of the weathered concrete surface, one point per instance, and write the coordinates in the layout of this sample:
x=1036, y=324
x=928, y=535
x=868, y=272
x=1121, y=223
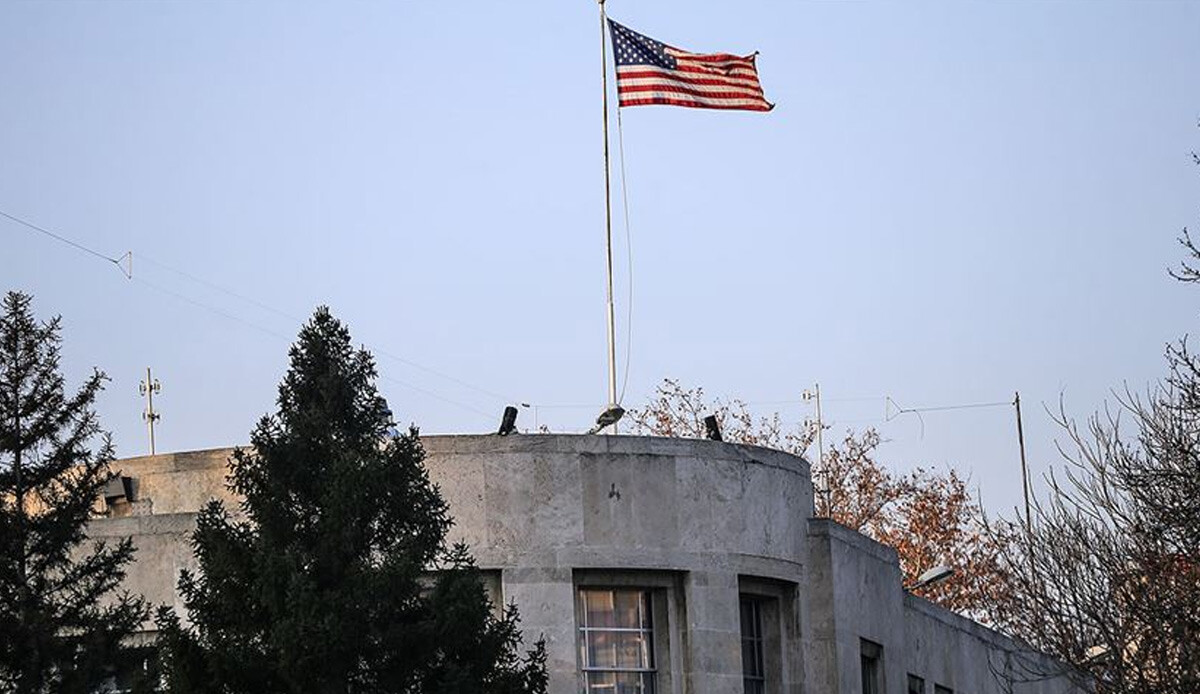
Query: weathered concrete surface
x=163, y=544
x=856, y=591
x=176, y=482
x=698, y=523
x=541, y=507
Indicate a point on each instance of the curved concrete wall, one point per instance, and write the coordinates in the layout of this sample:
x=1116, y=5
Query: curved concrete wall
x=624, y=501
x=583, y=501
x=692, y=519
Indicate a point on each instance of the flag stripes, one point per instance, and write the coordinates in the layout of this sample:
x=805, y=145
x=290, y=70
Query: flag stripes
x=650, y=72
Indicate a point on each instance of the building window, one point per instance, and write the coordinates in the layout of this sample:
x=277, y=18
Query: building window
x=136, y=670
x=939, y=689
x=871, y=657
x=916, y=685
x=616, y=640
x=754, y=679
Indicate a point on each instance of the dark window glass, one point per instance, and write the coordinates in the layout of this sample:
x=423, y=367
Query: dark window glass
x=136, y=669
x=754, y=679
x=871, y=657
x=916, y=685
x=939, y=689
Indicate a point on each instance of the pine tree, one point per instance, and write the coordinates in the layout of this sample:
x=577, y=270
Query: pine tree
x=321, y=580
x=61, y=618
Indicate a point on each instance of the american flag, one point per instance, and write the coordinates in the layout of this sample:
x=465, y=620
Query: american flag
x=651, y=72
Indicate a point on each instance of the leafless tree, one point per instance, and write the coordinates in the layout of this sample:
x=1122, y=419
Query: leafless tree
x=1108, y=577
x=929, y=517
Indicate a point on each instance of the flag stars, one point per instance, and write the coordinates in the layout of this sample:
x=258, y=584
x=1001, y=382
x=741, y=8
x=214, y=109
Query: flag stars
x=631, y=48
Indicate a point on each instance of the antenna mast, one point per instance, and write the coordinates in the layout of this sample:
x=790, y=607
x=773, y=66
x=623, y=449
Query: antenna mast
x=149, y=388
x=815, y=394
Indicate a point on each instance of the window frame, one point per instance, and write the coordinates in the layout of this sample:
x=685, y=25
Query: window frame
x=646, y=629
x=782, y=648
x=871, y=667
x=668, y=614
x=754, y=679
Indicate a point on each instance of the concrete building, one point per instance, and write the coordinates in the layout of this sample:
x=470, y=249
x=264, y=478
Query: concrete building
x=649, y=565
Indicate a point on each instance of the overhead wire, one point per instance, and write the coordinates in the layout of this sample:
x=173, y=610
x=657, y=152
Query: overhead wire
x=297, y=319
x=888, y=416
x=248, y=323
x=199, y=304
x=287, y=338
x=944, y=408
x=142, y=257
x=30, y=225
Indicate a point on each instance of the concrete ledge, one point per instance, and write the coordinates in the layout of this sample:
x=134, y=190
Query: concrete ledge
x=955, y=621
x=175, y=462
x=827, y=527
x=132, y=526
x=615, y=445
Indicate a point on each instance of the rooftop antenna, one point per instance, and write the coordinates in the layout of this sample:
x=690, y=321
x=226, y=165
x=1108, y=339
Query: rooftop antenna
x=815, y=395
x=149, y=388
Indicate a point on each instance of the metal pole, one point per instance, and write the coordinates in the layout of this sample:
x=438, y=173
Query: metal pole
x=820, y=427
x=150, y=408
x=612, y=329
x=826, y=491
x=148, y=388
x=1024, y=467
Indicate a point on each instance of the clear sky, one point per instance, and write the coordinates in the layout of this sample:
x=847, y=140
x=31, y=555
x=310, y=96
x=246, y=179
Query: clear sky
x=951, y=202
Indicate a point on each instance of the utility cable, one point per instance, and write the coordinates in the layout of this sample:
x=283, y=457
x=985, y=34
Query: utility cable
x=297, y=319
x=942, y=408
x=62, y=239
x=213, y=285
x=888, y=415
x=250, y=324
x=212, y=309
x=286, y=338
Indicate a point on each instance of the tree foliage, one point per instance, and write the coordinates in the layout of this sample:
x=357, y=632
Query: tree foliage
x=321, y=580
x=929, y=517
x=61, y=617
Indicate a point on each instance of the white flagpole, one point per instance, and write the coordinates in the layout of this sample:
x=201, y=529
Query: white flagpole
x=612, y=336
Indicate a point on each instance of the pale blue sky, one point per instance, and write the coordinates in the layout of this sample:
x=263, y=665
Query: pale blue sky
x=952, y=201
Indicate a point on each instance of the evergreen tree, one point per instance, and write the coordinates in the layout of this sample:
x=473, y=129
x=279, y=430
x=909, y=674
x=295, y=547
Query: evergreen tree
x=320, y=581
x=61, y=619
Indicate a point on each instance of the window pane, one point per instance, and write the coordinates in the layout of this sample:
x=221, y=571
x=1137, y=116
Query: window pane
x=629, y=608
x=753, y=669
x=620, y=683
x=598, y=608
x=870, y=675
x=747, y=619
x=871, y=658
x=623, y=650
x=916, y=685
x=598, y=649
